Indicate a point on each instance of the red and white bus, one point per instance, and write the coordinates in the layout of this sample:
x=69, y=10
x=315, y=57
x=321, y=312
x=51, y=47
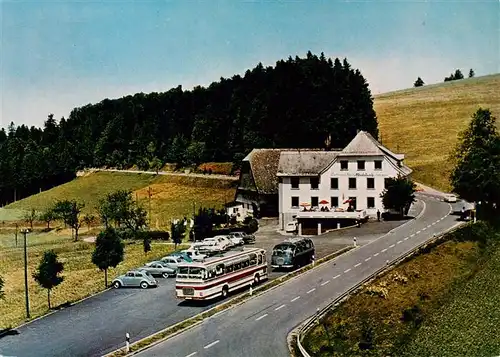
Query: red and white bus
x=218, y=276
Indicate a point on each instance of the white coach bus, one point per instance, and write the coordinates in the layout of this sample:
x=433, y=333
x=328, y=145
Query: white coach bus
x=220, y=275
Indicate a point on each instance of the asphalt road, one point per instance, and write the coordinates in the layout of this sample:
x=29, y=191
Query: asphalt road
x=259, y=326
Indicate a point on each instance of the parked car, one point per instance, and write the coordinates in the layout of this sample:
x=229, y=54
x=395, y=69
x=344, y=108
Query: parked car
x=291, y=227
x=135, y=278
x=247, y=238
x=172, y=261
x=293, y=253
x=186, y=257
x=236, y=239
x=450, y=198
x=195, y=255
x=220, y=243
x=159, y=269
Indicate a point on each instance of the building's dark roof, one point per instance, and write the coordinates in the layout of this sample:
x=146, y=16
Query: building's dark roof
x=264, y=165
x=304, y=163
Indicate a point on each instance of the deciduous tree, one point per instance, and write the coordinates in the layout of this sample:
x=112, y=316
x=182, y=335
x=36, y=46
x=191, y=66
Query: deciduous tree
x=476, y=173
x=399, y=194
x=30, y=216
x=47, y=274
x=108, y=252
x=47, y=216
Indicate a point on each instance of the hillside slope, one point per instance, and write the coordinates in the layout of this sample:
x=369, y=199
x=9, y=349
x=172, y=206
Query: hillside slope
x=424, y=122
x=171, y=196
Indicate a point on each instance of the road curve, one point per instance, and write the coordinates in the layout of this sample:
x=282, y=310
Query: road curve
x=259, y=326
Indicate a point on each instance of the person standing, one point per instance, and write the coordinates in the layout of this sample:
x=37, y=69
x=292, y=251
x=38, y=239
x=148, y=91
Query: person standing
x=378, y=215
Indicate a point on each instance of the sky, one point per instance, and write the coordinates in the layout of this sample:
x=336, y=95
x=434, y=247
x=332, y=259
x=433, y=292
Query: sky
x=58, y=55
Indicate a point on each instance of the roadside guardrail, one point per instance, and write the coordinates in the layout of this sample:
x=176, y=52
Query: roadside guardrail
x=300, y=331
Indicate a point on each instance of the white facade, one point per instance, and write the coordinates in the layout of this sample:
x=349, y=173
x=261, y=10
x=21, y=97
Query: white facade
x=347, y=174
x=239, y=210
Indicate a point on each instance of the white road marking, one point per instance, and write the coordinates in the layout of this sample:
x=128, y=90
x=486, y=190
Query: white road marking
x=214, y=343
x=357, y=265
x=418, y=232
x=192, y=354
x=347, y=270
x=423, y=229
x=399, y=242
x=376, y=254
x=279, y=307
x=367, y=259
x=429, y=226
x=384, y=250
x=295, y=299
x=413, y=235
x=406, y=238
x=336, y=276
x=310, y=291
x=257, y=319
x=392, y=246
x=326, y=282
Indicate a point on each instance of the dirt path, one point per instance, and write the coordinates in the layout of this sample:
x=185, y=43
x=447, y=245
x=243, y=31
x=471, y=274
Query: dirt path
x=164, y=173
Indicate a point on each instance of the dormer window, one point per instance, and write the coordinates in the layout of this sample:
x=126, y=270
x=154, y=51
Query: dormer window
x=361, y=165
x=343, y=164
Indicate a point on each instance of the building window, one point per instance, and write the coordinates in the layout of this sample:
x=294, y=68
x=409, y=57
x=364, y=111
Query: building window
x=386, y=182
x=353, y=202
x=295, y=202
x=352, y=183
x=343, y=164
x=361, y=165
x=370, y=183
x=314, y=183
x=314, y=202
x=370, y=202
x=334, y=183
x=334, y=202
x=378, y=164
x=295, y=182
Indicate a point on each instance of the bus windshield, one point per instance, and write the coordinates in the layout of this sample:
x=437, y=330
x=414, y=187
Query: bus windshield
x=282, y=250
x=191, y=273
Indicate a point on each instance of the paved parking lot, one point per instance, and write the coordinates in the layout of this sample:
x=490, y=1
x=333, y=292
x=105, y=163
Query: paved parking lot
x=268, y=236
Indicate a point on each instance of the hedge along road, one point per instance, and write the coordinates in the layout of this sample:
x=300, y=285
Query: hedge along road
x=98, y=325
x=259, y=326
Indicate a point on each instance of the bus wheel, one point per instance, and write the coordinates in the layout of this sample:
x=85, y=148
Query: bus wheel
x=256, y=279
x=225, y=292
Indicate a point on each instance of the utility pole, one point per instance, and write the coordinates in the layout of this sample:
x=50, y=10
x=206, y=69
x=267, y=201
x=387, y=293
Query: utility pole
x=194, y=225
x=149, y=195
x=25, y=232
x=16, y=234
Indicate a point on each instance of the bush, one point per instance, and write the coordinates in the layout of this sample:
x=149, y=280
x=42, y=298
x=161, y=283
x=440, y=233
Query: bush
x=253, y=226
x=414, y=315
x=159, y=235
x=216, y=168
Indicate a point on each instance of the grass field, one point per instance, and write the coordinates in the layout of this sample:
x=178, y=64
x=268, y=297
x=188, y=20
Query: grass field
x=423, y=123
x=172, y=196
x=81, y=277
x=456, y=310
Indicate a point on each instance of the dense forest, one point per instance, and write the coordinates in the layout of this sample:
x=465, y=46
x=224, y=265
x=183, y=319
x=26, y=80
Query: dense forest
x=297, y=103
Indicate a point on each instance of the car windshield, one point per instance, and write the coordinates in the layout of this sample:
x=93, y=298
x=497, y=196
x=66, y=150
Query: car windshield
x=282, y=250
x=191, y=273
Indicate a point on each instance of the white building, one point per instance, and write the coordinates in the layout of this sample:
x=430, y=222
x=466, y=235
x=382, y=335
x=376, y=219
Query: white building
x=316, y=180
x=239, y=210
